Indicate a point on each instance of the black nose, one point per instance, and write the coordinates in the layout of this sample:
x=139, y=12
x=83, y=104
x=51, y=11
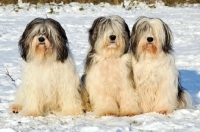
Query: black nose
x=149, y=39
x=41, y=39
x=112, y=37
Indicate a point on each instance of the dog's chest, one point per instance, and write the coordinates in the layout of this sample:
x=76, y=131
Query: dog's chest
x=147, y=74
x=109, y=71
x=45, y=77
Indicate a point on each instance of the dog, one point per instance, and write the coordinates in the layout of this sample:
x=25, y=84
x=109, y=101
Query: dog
x=107, y=85
x=156, y=77
x=50, y=82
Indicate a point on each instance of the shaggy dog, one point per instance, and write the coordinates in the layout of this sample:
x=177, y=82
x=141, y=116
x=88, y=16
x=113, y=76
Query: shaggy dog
x=50, y=81
x=108, y=87
x=155, y=74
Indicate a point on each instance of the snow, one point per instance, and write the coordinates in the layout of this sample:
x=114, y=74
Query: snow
x=184, y=23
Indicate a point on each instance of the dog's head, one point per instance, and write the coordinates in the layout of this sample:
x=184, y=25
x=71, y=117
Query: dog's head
x=43, y=39
x=109, y=36
x=150, y=36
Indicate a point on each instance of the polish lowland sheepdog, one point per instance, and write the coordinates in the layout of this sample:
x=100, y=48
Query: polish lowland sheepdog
x=155, y=74
x=108, y=87
x=50, y=82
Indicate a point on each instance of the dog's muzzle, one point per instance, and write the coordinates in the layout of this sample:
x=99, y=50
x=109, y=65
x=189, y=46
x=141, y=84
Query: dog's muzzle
x=112, y=43
x=41, y=40
x=150, y=40
x=112, y=37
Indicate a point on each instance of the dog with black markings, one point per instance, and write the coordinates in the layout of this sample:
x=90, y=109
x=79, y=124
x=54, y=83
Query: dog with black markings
x=108, y=88
x=50, y=82
x=156, y=77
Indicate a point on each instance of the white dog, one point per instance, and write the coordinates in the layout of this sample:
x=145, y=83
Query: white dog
x=155, y=74
x=50, y=81
x=108, y=86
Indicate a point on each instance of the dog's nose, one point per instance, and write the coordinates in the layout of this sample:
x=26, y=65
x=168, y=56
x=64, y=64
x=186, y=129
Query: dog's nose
x=112, y=37
x=41, y=39
x=149, y=39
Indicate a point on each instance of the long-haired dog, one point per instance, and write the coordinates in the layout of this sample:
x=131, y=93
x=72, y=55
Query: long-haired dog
x=107, y=81
x=155, y=74
x=50, y=82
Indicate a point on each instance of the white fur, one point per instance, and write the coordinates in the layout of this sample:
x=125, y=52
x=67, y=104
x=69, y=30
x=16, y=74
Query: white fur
x=109, y=86
x=108, y=76
x=49, y=86
x=155, y=74
x=50, y=82
x=156, y=82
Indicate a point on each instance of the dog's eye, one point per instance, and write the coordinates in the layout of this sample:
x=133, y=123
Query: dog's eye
x=43, y=33
x=145, y=28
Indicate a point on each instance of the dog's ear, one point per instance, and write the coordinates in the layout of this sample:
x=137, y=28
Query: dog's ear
x=167, y=46
x=133, y=39
x=23, y=46
x=93, y=31
x=61, y=41
x=24, y=41
x=89, y=59
x=127, y=37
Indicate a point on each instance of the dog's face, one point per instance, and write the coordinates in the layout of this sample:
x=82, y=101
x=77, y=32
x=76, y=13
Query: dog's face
x=41, y=47
x=149, y=37
x=43, y=39
x=109, y=36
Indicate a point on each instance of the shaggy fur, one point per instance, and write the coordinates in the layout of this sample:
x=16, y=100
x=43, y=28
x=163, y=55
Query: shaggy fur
x=155, y=74
x=50, y=81
x=108, y=87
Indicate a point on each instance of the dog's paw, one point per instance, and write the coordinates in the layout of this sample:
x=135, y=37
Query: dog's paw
x=104, y=112
x=130, y=111
x=129, y=114
x=108, y=114
x=30, y=113
x=74, y=112
x=164, y=112
x=15, y=108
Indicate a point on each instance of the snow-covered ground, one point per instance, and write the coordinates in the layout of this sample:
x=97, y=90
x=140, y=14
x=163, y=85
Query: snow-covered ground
x=76, y=19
